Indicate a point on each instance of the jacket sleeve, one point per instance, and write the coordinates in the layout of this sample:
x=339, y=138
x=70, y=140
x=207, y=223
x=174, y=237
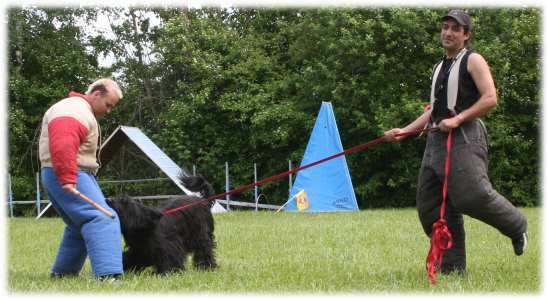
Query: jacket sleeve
x=66, y=134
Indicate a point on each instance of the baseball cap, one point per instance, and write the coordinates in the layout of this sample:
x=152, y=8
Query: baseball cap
x=462, y=17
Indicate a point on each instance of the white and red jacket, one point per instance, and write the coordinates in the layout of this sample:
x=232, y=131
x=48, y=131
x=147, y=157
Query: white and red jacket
x=69, y=139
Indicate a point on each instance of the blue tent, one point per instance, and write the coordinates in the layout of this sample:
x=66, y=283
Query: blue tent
x=328, y=185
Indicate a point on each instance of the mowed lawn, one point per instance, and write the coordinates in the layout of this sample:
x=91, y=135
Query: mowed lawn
x=370, y=252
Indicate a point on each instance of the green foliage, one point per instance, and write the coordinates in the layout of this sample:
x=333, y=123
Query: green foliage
x=512, y=48
x=235, y=85
x=47, y=58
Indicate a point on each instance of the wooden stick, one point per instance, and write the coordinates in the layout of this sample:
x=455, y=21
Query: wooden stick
x=88, y=200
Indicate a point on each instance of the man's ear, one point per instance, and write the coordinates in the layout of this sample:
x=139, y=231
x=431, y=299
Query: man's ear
x=468, y=35
x=95, y=95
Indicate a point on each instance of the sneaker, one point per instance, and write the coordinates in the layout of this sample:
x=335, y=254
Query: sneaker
x=110, y=278
x=520, y=244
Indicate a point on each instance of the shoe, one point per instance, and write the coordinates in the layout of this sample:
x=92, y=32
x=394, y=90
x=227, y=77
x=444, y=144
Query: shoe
x=447, y=269
x=520, y=244
x=110, y=278
x=62, y=275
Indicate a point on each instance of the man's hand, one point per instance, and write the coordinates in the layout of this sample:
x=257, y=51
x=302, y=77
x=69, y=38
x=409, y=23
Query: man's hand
x=70, y=188
x=390, y=135
x=450, y=123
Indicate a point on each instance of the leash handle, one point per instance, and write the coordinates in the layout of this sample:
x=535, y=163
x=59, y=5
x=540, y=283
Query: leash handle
x=97, y=206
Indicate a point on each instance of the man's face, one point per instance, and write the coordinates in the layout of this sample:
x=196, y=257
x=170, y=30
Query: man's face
x=452, y=35
x=102, y=104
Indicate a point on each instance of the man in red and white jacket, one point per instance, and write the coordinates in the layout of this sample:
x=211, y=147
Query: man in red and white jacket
x=68, y=148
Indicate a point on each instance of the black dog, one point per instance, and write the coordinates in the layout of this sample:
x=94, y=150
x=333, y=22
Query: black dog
x=164, y=241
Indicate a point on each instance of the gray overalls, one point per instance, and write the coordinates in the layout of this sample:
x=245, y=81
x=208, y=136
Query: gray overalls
x=469, y=190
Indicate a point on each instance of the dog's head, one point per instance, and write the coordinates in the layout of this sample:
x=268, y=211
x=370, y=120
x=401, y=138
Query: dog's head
x=197, y=184
x=134, y=216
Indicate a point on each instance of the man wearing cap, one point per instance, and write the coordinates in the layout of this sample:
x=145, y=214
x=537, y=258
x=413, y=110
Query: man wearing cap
x=68, y=149
x=462, y=90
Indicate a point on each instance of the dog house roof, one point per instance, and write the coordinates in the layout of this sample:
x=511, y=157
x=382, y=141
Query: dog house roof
x=123, y=134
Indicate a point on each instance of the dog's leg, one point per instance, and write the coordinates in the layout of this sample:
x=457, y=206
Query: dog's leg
x=204, y=253
x=163, y=267
x=204, y=260
x=134, y=262
x=170, y=262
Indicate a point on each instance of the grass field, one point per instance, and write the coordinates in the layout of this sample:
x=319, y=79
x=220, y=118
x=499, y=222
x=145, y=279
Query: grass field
x=370, y=252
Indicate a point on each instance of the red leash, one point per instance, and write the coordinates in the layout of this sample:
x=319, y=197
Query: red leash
x=441, y=239
x=293, y=171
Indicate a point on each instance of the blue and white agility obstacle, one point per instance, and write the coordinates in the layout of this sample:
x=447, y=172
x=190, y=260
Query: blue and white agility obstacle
x=328, y=186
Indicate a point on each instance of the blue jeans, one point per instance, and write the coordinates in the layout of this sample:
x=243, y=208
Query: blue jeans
x=88, y=232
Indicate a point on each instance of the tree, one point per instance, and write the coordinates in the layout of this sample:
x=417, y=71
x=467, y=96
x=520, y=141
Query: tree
x=47, y=58
x=235, y=85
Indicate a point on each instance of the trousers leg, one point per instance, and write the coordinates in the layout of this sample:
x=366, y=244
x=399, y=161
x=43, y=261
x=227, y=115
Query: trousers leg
x=100, y=234
x=471, y=189
x=429, y=200
x=71, y=254
x=454, y=259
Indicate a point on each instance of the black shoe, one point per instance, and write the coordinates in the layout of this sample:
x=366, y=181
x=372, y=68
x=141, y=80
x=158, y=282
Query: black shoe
x=447, y=269
x=520, y=244
x=62, y=275
x=110, y=278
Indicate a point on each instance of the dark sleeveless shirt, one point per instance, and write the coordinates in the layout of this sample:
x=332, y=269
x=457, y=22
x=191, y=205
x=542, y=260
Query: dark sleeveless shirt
x=468, y=93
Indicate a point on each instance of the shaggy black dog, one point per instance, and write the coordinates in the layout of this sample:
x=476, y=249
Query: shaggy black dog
x=164, y=241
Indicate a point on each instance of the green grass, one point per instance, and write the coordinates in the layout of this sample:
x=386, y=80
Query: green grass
x=373, y=251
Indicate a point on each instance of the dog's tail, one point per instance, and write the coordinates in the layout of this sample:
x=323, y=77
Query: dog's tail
x=197, y=184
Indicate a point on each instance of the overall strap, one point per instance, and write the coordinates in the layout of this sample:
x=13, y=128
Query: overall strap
x=437, y=69
x=453, y=82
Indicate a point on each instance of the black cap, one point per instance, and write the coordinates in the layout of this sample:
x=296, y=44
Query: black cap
x=462, y=17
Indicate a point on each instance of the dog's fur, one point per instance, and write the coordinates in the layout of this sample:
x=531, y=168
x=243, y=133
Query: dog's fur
x=164, y=241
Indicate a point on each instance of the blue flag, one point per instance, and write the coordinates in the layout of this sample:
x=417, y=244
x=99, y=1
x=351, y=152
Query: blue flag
x=328, y=185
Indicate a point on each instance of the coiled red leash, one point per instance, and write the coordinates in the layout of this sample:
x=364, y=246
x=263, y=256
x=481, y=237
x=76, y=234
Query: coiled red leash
x=293, y=171
x=441, y=239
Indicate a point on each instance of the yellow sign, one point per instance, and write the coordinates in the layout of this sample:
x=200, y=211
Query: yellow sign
x=302, y=200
